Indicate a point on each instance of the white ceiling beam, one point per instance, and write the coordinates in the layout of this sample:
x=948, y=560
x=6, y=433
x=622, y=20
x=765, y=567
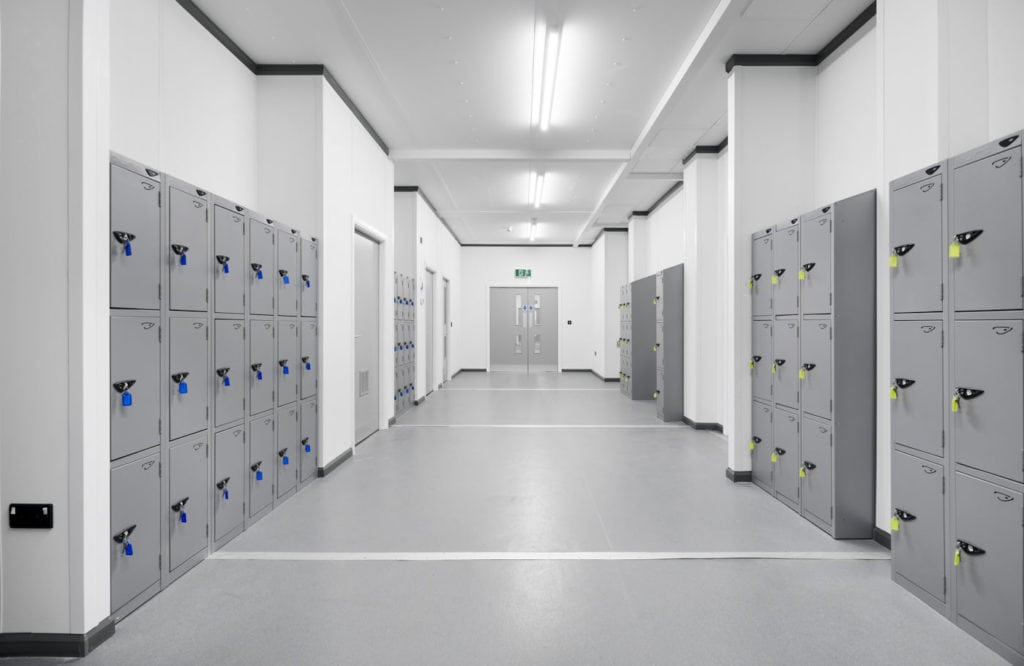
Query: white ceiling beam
x=504, y=155
x=526, y=210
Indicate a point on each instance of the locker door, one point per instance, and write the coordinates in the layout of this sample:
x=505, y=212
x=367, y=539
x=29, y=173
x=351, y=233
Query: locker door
x=288, y=454
x=916, y=235
x=262, y=269
x=760, y=278
x=816, y=462
x=287, y=361
x=816, y=265
x=989, y=587
x=308, y=441
x=785, y=269
x=310, y=277
x=816, y=367
x=918, y=545
x=228, y=481
x=229, y=370
x=308, y=359
x=263, y=366
x=135, y=384
x=189, y=253
x=786, y=361
x=761, y=438
x=134, y=240
x=135, y=528
x=987, y=199
x=190, y=402
x=761, y=360
x=188, y=500
x=988, y=388
x=261, y=464
x=288, y=277
x=228, y=258
x=786, y=447
x=917, y=409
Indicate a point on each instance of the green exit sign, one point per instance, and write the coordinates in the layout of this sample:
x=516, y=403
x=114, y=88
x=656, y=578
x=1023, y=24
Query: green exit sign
x=524, y=272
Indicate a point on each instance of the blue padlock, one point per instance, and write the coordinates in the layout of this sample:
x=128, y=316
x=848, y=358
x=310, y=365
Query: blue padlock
x=284, y=460
x=182, y=387
x=227, y=381
x=259, y=475
x=287, y=280
x=184, y=259
x=259, y=274
x=259, y=375
x=184, y=516
x=309, y=448
x=225, y=492
x=128, y=248
x=309, y=366
x=226, y=267
x=126, y=399
x=128, y=550
x=286, y=370
x=308, y=284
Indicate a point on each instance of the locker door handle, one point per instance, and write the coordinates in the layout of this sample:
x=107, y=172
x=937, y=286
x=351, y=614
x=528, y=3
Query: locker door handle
x=283, y=455
x=179, y=379
x=223, y=374
x=779, y=451
x=968, y=548
x=809, y=267
x=223, y=261
x=903, y=383
x=258, y=369
x=755, y=277
x=223, y=483
x=284, y=276
x=306, y=445
x=779, y=271
x=305, y=361
x=780, y=361
x=179, y=508
x=124, y=385
x=284, y=366
x=305, y=278
x=903, y=515
x=125, y=238
x=757, y=440
x=182, y=252
x=258, y=269
x=809, y=366
x=902, y=250
x=968, y=393
x=123, y=535
x=808, y=465
x=967, y=237
x=756, y=359
x=256, y=465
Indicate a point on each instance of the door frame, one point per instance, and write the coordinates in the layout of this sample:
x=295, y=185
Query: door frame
x=429, y=316
x=385, y=372
x=446, y=306
x=487, y=317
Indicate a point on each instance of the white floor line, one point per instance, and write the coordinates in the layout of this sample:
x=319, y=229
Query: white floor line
x=609, y=390
x=553, y=556
x=679, y=426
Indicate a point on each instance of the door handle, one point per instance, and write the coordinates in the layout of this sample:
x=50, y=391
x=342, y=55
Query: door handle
x=809, y=267
x=968, y=548
x=903, y=515
x=903, y=383
x=125, y=238
x=902, y=250
x=968, y=393
x=223, y=260
x=966, y=237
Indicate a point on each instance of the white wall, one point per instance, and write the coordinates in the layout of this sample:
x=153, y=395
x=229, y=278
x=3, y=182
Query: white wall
x=438, y=251
x=567, y=268
x=608, y=272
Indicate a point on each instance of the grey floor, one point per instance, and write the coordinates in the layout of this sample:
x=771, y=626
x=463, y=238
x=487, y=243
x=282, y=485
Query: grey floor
x=445, y=541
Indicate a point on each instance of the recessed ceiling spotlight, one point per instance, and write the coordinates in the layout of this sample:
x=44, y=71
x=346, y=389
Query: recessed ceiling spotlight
x=625, y=38
x=466, y=101
x=546, y=48
x=454, y=62
x=462, y=83
x=508, y=229
x=604, y=101
x=447, y=38
x=616, y=63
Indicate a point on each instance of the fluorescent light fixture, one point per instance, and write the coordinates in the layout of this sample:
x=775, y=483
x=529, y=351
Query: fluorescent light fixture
x=538, y=193
x=533, y=231
x=533, y=187
x=539, y=39
x=546, y=47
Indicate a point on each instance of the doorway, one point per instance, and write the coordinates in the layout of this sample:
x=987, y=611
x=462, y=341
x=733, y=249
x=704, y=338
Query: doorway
x=428, y=298
x=446, y=324
x=524, y=329
x=366, y=266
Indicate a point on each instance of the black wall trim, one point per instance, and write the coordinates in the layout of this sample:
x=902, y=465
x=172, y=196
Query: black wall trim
x=577, y=370
x=56, y=645
x=431, y=206
x=282, y=70
x=469, y=370
x=598, y=375
x=706, y=150
x=849, y=31
x=334, y=464
x=738, y=477
x=661, y=200
x=522, y=245
x=697, y=425
x=882, y=537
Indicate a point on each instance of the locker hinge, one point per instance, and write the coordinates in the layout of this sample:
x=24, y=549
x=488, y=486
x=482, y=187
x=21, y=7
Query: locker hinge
x=942, y=291
x=243, y=305
x=243, y=409
x=207, y=332
x=160, y=469
x=207, y=414
x=160, y=426
x=943, y=439
x=159, y=199
x=159, y=292
x=243, y=330
x=943, y=586
x=943, y=485
x=942, y=191
x=160, y=561
x=207, y=295
x=207, y=530
x=942, y=339
x=207, y=451
x=831, y=513
x=159, y=333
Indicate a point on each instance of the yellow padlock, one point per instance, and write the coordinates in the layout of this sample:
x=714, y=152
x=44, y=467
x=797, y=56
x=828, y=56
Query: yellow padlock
x=955, y=406
x=802, y=374
x=774, y=366
x=775, y=279
x=802, y=275
x=775, y=457
x=751, y=445
x=956, y=558
x=894, y=524
x=954, y=250
x=892, y=393
x=803, y=472
x=894, y=260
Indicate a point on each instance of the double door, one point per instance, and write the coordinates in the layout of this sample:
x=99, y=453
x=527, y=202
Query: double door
x=524, y=329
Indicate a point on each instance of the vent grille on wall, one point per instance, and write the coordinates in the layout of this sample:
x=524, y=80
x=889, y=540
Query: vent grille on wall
x=364, y=382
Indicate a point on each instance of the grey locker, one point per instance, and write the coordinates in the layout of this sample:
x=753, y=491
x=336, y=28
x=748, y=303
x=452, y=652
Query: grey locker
x=917, y=392
x=308, y=441
x=263, y=367
x=760, y=277
x=814, y=273
x=288, y=457
x=288, y=276
x=986, y=225
x=989, y=585
x=988, y=390
x=228, y=481
x=918, y=540
x=761, y=360
x=229, y=371
x=815, y=470
x=786, y=362
x=287, y=366
x=785, y=269
x=261, y=464
x=785, y=454
x=814, y=374
x=135, y=384
x=917, y=249
x=188, y=254
x=308, y=361
x=134, y=240
x=189, y=395
x=188, y=501
x=135, y=529
x=310, y=277
x=761, y=446
x=228, y=261
x=262, y=268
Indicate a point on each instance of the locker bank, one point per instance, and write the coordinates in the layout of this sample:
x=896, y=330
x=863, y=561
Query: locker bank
x=386, y=332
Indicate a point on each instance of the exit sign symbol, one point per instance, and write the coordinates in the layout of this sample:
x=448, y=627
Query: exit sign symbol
x=524, y=272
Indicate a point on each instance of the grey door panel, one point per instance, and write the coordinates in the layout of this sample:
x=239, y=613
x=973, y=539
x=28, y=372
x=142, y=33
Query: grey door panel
x=134, y=240
x=228, y=481
x=288, y=456
x=188, y=503
x=916, y=237
x=308, y=361
x=310, y=277
x=135, y=529
x=816, y=462
x=919, y=543
x=786, y=362
x=760, y=278
x=917, y=410
x=786, y=267
x=543, y=328
x=761, y=360
x=288, y=277
x=228, y=256
x=189, y=253
x=509, y=329
x=287, y=366
x=262, y=463
x=135, y=384
x=786, y=446
x=229, y=371
x=816, y=367
x=989, y=586
x=761, y=439
x=816, y=265
x=308, y=441
x=262, y=269
x=189, y=397
x=988, y=426
x=987, y=199
x=263, y=367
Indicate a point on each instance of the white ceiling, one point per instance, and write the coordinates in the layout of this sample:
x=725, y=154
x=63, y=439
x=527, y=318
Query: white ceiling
x=447, y=84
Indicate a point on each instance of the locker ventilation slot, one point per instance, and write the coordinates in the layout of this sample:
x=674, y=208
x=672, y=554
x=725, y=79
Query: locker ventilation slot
x=364, y=382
